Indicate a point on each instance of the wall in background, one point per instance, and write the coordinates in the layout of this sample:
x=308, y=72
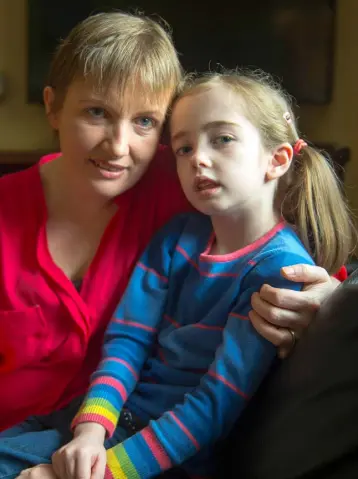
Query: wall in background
x=23, y=126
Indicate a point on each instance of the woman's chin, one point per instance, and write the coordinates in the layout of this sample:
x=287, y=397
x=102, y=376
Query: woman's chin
x=113, y=187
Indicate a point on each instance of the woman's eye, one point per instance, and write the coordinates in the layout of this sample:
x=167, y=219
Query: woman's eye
x=223, y=140
x=96, y=112
x=145, y=122
x=182, y=151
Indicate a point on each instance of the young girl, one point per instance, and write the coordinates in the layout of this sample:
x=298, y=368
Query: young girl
x=181, y=359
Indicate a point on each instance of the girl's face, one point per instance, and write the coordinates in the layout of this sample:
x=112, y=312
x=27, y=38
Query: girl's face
x=221, y=161
x=106, y=140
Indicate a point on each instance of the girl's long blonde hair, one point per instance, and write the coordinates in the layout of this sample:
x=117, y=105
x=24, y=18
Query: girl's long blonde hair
x=309, y=195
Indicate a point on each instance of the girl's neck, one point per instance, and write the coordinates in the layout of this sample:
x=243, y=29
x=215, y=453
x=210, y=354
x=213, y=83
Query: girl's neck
x=234, y=232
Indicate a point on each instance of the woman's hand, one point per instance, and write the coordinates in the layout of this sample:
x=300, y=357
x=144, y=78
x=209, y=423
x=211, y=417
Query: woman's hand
x=85, y=456
x=281, y=315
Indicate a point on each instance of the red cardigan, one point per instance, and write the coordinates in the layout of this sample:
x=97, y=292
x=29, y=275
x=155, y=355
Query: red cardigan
x=51, y=335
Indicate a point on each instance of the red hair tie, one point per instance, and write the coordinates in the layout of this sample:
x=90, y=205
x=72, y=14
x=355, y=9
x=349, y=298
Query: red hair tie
x=298, y=146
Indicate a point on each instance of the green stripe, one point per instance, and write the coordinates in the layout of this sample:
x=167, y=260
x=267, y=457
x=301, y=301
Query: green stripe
x=125, y=462
x=92, y=403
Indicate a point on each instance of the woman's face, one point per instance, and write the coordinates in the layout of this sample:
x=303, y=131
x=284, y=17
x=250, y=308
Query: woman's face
x=107, y=140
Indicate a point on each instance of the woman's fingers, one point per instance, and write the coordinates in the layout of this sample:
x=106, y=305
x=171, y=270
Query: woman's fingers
x=270, y=306
x=283, y=338
x=305, y=273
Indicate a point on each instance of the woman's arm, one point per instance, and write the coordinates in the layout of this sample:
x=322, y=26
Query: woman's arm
x=276, y=310
x=128, y=340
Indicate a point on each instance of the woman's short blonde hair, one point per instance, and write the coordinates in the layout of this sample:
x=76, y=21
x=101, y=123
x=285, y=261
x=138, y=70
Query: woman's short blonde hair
x=120, y=49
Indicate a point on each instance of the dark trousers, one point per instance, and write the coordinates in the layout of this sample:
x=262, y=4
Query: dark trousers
x=35, y=440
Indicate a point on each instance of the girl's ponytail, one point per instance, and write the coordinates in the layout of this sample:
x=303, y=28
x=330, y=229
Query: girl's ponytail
x=314, y=203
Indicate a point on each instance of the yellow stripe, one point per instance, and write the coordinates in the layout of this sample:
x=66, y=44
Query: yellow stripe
x=100, y=411
x=93, y=402
x=114, y=466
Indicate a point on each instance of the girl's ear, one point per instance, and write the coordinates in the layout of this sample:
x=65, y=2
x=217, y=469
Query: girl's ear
x=280, y=162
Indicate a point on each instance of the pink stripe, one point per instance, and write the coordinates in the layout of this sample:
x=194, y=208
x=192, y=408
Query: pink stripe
x=108, y=474
x=252, y=262
x=247, y=249
x=98, y=418
x=124, y=363
x=172, y=321
x=112, y=382
x=228, y=384
x=207, y=250
x=265, y=238
x=185, y=430
x=210, y=328
x=151, y=270
x=240, y=316
x=204, y=273
x=134, y=324
x=187, y=257
x=156, y=449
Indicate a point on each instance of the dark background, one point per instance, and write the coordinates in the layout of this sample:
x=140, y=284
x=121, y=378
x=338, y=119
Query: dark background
x=292, y=39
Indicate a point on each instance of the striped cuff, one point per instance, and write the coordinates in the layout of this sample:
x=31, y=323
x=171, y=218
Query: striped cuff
x=139, y=456
x=99, y=411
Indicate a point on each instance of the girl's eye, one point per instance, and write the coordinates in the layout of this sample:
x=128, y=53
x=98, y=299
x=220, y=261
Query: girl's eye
x=96, y=112
x=184, y=150
x=223, y=140
x=145, y=122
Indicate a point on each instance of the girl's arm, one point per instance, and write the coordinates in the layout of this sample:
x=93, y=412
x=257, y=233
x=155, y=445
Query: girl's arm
x=209, y=412
x=131, y=332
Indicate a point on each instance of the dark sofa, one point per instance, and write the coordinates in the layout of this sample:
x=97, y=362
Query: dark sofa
x=303, y=422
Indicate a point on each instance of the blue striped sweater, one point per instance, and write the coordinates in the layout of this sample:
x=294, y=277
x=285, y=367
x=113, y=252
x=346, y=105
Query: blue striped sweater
x=180, y=352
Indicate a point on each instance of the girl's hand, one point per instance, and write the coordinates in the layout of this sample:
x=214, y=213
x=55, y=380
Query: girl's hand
x=42, y=471
x=281, y=315
x=84, y=457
